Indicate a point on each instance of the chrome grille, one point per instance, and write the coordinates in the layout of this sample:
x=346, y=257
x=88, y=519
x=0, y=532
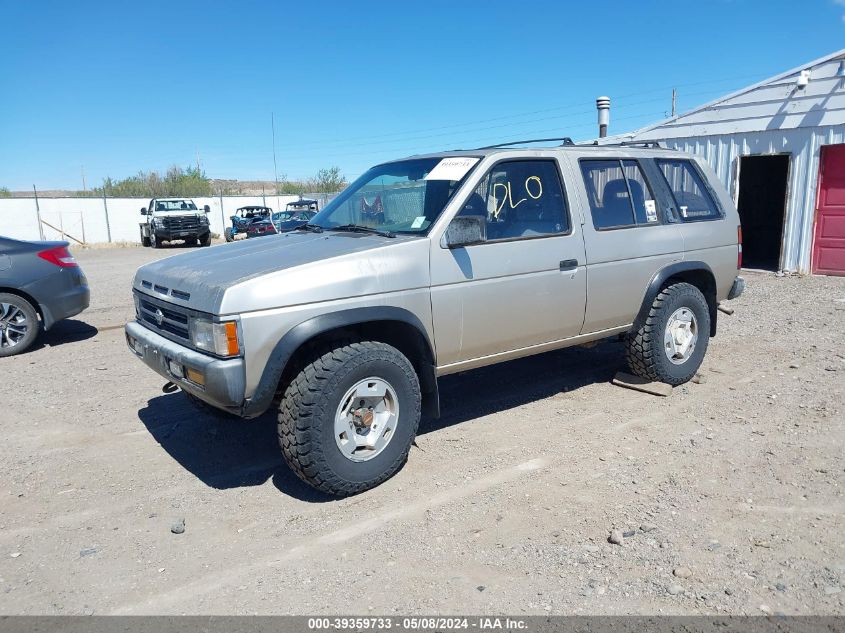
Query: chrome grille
x=180, y=223
x=163, y=317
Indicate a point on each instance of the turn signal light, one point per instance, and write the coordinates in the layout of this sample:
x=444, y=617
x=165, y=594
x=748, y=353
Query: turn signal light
x=195, y=376
x=232, y=338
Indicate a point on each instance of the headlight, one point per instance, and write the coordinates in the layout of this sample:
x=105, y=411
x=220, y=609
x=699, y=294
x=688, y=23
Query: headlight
x=217, y=338
x=203, y=219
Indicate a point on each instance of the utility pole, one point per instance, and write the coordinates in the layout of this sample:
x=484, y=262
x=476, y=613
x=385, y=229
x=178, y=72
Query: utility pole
x=106, y=209
x=84, y=188
x=275, y=168
x=673, y=101
x=38, y=214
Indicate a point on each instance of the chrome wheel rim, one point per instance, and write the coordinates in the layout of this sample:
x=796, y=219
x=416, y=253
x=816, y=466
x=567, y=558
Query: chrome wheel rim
x=681, y=336
x=13, y=325
x=366, y=419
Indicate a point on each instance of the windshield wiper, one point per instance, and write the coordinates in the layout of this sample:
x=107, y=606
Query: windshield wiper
x=311, y=228
x=360, y=228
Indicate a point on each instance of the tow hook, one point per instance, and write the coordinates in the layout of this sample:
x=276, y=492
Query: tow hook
x=170, y=387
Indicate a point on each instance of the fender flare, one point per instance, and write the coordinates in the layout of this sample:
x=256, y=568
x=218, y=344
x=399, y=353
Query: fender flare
x=310, y=328
x=659, y=279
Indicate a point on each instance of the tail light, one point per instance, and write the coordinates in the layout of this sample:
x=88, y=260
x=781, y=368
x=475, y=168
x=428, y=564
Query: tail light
x=738, y=247
x=59, y=256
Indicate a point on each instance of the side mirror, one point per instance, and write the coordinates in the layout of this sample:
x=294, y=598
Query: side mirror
x=143, y=210
x=465, y=230
x=207, y=209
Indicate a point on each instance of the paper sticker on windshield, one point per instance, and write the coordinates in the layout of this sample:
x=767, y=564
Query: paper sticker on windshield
x=452, y=168
x=650, y=211
x=418, y=222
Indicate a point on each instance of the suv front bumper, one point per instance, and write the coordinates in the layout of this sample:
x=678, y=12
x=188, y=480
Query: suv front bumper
x=167, y=235
x=224, y=379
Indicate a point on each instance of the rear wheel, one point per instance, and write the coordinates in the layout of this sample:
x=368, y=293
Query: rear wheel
x=348, y=419
x=670, y=345
x=227, y=233
x=19, y=324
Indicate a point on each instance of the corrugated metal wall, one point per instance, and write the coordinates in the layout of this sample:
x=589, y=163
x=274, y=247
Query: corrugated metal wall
x=803, y=145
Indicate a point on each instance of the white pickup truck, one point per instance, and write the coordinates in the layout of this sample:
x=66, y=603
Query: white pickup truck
x=168, y=219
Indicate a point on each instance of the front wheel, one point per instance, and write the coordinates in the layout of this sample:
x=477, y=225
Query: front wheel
x=154, y=242
x=348, y=419
x=19, y=324
x=670, y=346
x=204, y=241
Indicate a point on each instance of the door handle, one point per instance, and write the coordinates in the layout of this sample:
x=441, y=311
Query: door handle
x=568, y=264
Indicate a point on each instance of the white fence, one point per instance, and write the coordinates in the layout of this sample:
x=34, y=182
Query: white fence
x=94, y=220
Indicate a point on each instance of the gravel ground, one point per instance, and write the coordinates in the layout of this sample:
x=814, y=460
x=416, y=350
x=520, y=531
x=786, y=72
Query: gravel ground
x=726, y=497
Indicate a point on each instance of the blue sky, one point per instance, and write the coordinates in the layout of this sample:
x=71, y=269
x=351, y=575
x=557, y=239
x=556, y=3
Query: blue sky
x=117, y=87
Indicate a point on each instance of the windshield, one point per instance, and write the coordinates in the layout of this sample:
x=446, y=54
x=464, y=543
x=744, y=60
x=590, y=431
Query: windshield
x=175, y=205
x=401, y=197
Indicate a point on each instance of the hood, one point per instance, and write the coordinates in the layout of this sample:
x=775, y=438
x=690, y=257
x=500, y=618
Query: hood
x=280, y=270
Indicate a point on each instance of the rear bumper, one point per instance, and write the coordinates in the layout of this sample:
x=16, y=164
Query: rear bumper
x=61, y=295
x=737, y=288
x=224, y=379
x=261, y=233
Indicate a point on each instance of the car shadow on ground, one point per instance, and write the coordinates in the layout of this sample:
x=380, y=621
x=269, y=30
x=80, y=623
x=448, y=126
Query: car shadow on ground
x=496, y=388
x=63, y=332
x=226, y=452
x=223, y=452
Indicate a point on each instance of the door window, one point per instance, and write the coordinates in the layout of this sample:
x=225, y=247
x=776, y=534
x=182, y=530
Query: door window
x=619, y=194
x=694, y=200
x=520, y=199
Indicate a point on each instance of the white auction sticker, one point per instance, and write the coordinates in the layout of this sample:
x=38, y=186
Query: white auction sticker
x=452, y=168
x=650, y=211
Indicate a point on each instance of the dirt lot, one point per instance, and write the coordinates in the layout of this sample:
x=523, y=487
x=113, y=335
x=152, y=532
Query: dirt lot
x=731, y=490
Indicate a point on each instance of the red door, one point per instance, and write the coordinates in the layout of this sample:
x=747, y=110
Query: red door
x=829, y=242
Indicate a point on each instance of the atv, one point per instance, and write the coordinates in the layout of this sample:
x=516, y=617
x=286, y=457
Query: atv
x=252, y=221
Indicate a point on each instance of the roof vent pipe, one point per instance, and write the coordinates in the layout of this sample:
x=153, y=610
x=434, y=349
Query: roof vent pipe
x=603, y=106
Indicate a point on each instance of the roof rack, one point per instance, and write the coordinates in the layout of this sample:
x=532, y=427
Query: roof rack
x=565, y=140
x=646, y=144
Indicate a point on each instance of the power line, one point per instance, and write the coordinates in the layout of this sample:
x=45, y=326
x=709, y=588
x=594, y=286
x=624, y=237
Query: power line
x=304, y=150
x=523, y=114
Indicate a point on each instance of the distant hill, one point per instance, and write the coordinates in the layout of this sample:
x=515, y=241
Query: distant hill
x=227, y=186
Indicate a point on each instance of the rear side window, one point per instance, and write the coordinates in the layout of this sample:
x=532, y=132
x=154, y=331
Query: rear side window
x=619, y=194
x=691, y=195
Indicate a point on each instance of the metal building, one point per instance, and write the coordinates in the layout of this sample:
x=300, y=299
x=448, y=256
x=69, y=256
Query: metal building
x=779, y=148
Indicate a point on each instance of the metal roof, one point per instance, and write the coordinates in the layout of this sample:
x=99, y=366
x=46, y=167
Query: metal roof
x=774, y=103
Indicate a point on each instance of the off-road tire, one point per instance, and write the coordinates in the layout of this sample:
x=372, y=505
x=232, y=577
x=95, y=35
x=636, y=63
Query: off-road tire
x=644, y=346
x=309, y=405
x=145, y=242
x=154, y=241
x=34, y=327
x=207, y=409
x=204, y=241
x=227, y=233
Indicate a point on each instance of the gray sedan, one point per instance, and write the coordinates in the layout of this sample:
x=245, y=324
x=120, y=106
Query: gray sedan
x=40, y=284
